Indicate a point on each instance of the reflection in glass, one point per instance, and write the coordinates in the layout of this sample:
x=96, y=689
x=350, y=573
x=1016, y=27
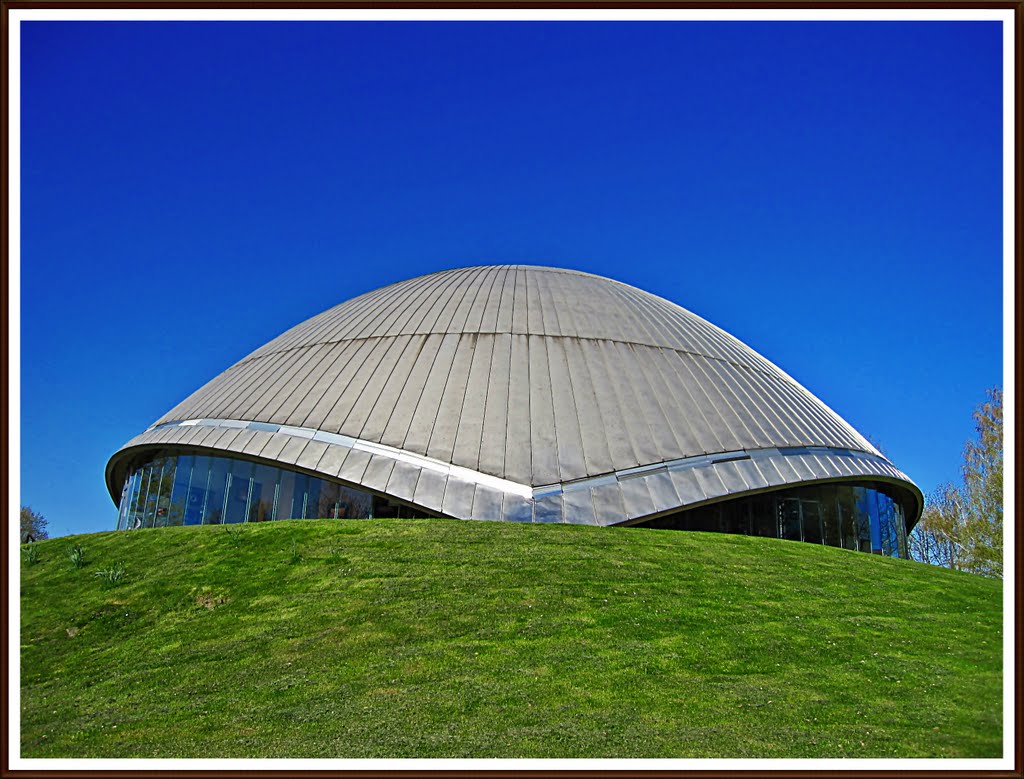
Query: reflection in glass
x=189, y=489
x=173, y=489
x=811, y=510
x=789, y=519
x=197, y=491
x=236, y=504
x=264, y=493
x=179, y=490
x=829, y=516
x=287, y=496
x=216, y=491
x=860, y=517
x=300, y=497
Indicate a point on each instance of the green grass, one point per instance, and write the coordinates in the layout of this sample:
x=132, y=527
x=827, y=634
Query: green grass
x=440, y=638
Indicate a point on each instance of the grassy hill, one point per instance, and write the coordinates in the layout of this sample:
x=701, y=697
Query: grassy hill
x=440, y=638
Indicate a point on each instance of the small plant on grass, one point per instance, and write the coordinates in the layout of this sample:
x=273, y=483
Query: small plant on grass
x=30, y=553
x=234, y=534
x=112, y=574
x=295, y=556
x=76, y=554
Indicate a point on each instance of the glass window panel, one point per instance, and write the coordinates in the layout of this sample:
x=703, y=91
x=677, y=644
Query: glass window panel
x=765, y=522
x=328, y=503
x=197, y=491
x=213, y=514
x=829, y=517
x=876, y=520
x=301, y=496
x=313, y=500
x=122, y=508
x=121, y=511
x=152, y=492
x=133, y=490
x=179, y=490
x=286, y=496
x=901, y=530
x=863, y=514
x=138, y=496
x=884, y=524
x=789, y=518
x=894, y=533
x=264, y=489
x=353, y=504
x=811, y=510
x=237, y=503
x=385, y=509
x=733, y=516
x=846, y=510
x=142, y=497
x=163, y=501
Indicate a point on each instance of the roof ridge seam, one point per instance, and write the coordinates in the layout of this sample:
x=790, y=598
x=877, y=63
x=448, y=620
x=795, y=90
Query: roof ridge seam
x=780, y=375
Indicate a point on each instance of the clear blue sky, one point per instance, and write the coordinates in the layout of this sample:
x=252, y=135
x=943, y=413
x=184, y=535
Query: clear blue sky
x=829, y=193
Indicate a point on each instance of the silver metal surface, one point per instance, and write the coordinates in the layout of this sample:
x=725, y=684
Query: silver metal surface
x=465, y=390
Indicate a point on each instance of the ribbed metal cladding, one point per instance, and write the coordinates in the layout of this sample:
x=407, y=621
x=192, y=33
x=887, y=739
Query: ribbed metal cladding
x=533, y=375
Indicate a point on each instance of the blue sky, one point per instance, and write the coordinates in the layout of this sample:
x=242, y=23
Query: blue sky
x=829, y=193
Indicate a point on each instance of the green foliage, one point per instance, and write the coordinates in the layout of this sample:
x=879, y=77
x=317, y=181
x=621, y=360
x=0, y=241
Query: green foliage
x=962, y=525
x=234, y=534
x=33, y=525
x=30, y=554
x=76, y=554
x=295, y=557
x=113, y=574
x=446, y=639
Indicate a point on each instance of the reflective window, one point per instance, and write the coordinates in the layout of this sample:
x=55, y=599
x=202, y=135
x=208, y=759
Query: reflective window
x=264, y=493
x=197, y=491
x=763, y=509
x=858, y=517
x=139, y=498
x=131, y=498
x=312, y=509
x=813, y=530
x=830, y=517
x=845, y=519
x=327, y=506
x=175, y=489
x=162, y=489
x=216, y=491
x=354, y=504
x=287, y=497
x=789, y=519
x=300, y=497
x=179, y=490
x=186, y=489
x=236, y=504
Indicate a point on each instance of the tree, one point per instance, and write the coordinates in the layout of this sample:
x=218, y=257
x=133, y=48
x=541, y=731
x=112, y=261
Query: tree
x=983, y=486
x=33, y=525
x=962, y=525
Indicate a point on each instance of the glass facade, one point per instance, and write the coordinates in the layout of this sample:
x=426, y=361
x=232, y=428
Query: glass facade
x=863, y=517
x=191, y=489
x=182, y=488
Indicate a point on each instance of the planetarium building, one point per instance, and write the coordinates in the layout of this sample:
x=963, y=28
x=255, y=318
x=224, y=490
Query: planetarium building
x=522, y=394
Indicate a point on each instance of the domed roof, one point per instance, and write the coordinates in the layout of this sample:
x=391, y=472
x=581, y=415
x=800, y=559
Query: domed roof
x=505, y=385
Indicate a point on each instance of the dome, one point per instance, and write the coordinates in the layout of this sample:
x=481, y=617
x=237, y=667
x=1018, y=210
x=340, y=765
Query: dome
x=522, y=393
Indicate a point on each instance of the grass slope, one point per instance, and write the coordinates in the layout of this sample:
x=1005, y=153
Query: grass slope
x=439, y=638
